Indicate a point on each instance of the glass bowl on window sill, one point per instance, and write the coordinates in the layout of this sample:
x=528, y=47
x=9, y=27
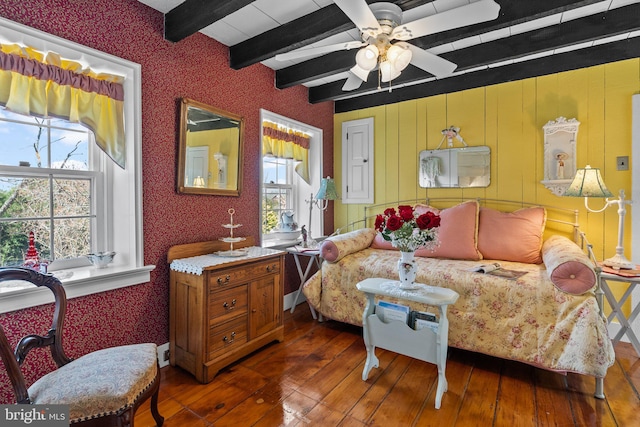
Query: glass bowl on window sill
x=285, y=234
x=101, y=259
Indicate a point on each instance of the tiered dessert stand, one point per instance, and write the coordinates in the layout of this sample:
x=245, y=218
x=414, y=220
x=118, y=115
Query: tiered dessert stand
x=231, y=239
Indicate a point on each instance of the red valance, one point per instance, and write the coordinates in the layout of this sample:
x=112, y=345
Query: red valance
x=41, y=71
x=298, y=139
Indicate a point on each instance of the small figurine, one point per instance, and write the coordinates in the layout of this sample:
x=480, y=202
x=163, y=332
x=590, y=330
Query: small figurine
x=303, y=231
x=560, y=157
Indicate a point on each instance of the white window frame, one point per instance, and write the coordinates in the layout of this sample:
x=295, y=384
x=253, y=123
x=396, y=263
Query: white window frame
x=302, y=190
x=125, y=210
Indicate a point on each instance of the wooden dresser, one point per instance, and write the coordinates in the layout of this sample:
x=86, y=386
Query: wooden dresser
x=230, y=310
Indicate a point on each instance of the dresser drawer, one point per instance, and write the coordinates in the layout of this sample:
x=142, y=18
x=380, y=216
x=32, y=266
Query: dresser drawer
x=238, y=275
x=227, y=303
x=227, y=336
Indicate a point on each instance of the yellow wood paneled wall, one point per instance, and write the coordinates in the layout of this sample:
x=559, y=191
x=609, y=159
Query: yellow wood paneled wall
x=508, y=118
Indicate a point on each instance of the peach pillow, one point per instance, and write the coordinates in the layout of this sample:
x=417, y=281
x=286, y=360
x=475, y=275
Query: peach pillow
x=512, y=236
x=457, y=234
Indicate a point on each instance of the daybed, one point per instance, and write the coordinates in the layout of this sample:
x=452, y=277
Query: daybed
x=549, y=317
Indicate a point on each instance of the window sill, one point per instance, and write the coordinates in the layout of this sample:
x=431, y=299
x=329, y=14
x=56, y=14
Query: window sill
x=77, y=282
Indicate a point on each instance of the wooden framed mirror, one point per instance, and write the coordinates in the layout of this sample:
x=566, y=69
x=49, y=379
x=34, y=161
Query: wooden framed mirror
x=210, y=150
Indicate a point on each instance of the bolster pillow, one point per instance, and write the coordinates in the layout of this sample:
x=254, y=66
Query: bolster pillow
x=568, y=266
x=335, y=248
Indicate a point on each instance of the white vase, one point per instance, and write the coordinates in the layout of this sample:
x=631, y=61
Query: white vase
x=407, y=270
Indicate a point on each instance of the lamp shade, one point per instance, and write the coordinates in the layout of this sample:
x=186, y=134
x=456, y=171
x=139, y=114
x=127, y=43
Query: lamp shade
x=327, y=190
x=587, y=183
x=399, y=55
x=367, y=57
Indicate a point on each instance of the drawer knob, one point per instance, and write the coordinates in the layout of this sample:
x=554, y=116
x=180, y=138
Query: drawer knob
x=230, y=307
x=271, y=268
x=229, y=340
x=225, y=280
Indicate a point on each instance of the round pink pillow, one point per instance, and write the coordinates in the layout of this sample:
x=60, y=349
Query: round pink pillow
x=568, y=266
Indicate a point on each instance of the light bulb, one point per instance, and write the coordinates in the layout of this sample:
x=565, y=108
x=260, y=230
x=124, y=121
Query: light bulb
x=367, y=57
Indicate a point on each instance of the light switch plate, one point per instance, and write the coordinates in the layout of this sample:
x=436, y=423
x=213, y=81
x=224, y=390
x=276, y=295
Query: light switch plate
x=623, y=163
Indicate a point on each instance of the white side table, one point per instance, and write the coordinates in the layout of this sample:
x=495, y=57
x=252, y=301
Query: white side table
x=315, y=259
x=616, y=307
x=423, y=344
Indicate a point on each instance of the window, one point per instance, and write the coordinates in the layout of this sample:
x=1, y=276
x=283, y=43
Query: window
x=75, y=182
x=51, y=191
x=283, y=190
x=277, y=191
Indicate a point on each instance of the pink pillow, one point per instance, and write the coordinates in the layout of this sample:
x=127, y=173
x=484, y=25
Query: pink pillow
x=512, y=236
x=569, y=268
x=457, y=234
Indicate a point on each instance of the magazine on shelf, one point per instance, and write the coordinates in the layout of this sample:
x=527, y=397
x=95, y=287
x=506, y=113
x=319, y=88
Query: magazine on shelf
x=388, y=311
x=419, y=320
x=300, y=248
x=495, y=269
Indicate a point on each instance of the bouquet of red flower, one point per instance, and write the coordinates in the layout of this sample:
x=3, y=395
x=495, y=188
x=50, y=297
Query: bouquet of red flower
x=406, y=230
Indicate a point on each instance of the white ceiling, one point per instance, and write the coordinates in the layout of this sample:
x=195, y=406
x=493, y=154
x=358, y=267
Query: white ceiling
x=263, y=15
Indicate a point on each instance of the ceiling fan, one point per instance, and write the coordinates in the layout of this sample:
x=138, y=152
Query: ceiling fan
x=384, y=38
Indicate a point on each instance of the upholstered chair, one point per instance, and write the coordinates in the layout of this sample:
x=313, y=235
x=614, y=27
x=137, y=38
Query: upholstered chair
x=102, y=388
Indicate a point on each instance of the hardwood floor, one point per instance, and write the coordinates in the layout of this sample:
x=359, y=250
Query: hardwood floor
x=314, y=378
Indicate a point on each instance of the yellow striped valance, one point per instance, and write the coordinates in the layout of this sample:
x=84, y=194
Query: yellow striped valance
x=284, y=143
x=48, y=86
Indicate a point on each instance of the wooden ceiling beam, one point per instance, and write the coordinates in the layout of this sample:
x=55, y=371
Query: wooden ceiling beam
x=615, y=22
x=573, y=60
x=511, y=13
x=318, y=25
x=193, y=15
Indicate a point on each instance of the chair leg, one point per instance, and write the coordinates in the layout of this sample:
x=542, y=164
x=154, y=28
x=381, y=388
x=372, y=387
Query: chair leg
x=154, y=409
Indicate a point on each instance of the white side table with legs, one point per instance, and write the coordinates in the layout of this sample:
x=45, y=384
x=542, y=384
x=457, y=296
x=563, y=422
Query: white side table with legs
x=616, y=307
x=314, y=259
x=397, y=336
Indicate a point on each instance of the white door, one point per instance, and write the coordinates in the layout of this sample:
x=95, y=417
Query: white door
x=197, y=165
x=357, y=161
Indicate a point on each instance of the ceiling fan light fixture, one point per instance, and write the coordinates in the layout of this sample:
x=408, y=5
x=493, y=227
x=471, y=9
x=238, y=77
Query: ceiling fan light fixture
x=399, y=55
x=388, y=71
x=367, y=58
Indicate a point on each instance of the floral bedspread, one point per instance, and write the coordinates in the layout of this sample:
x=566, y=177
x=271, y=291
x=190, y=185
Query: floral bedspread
x=527, y=319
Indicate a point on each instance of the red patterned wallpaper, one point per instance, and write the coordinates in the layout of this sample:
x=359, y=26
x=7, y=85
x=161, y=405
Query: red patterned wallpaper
x=197, y=68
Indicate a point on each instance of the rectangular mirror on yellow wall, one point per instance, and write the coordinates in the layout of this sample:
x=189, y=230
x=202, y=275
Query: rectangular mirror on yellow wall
x=455, y=167
x=210, y=150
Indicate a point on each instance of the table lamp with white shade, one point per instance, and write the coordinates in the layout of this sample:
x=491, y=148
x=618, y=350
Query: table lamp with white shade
x=588, y=183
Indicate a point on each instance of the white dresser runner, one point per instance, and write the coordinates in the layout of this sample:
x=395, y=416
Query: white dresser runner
x=195, y=265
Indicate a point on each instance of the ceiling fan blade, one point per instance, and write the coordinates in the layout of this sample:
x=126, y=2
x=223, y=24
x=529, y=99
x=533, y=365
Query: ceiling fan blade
x=480, y=11
x=359, y=13
x=353, y=82
x=431, y=63
x=320, y=50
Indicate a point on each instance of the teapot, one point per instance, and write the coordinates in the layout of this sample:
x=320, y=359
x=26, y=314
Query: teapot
x=286, y=221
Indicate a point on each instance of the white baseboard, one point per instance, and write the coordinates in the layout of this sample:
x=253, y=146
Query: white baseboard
x=287, y=304
x=288, y=300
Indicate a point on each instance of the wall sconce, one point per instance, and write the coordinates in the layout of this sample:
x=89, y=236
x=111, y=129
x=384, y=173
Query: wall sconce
x=588, y=183
x=326, y=192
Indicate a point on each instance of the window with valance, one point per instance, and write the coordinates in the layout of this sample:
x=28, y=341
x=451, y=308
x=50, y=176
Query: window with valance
x=46, y=85
x=285, y=143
